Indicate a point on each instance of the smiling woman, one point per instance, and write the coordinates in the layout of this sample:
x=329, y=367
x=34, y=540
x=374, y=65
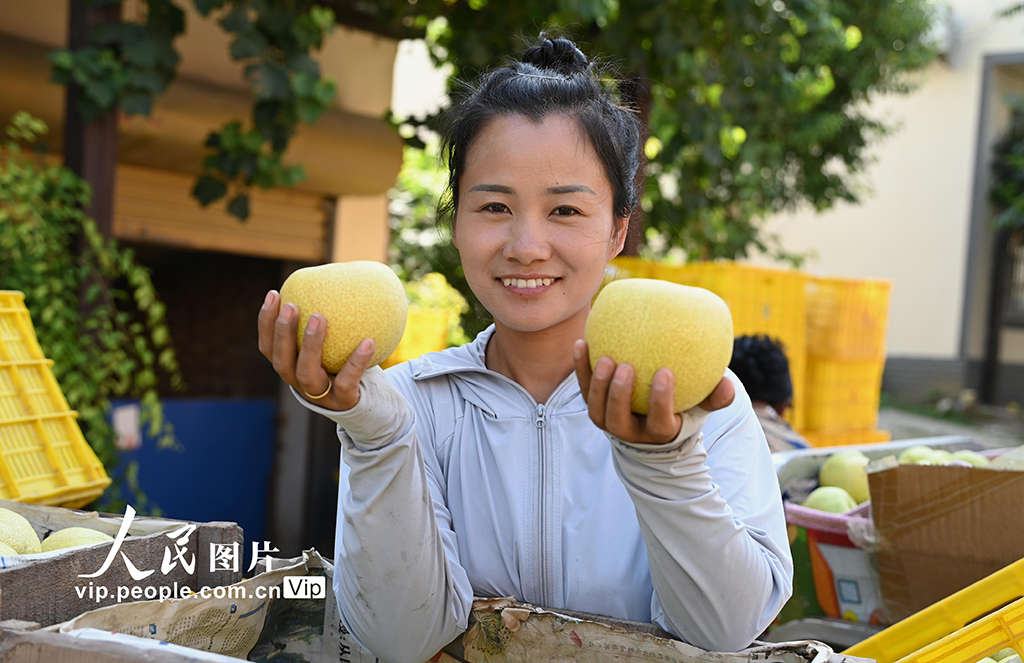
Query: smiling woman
x=505, y=466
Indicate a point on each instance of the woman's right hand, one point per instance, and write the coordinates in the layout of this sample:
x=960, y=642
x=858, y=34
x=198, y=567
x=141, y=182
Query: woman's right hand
x=278, y=327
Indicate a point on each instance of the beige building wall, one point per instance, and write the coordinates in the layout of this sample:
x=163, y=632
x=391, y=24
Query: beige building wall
x=360, y=63
x=914, y=227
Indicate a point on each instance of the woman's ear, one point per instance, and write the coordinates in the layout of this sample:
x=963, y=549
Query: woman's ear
x=455, y=234
x=619, y=236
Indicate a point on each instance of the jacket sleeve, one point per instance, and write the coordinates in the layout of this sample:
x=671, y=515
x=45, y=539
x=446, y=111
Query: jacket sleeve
x=401, y=590
x=710, y=511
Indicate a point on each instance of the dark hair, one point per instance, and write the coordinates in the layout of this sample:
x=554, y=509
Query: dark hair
x=761, y=365
x=553, y=77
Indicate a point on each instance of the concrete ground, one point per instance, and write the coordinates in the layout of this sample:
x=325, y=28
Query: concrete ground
x=996, y=431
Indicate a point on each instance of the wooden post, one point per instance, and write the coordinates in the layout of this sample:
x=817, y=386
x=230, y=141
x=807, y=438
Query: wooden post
x=90, y=148
x=994, y=325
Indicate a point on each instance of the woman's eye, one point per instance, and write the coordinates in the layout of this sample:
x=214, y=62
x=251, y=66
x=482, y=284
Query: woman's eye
x=496, y=208
x=565, y=210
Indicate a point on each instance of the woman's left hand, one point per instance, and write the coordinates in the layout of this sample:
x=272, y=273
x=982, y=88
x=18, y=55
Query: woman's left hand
x=608, y=391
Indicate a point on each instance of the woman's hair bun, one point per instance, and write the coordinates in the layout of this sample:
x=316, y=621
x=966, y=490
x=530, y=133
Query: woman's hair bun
x=558, y=54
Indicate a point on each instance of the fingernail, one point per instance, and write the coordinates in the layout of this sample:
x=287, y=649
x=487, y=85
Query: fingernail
x=577, y=349
x=269, y=298
x=622, y=374
x=313, y=326
x=603, y=369
x=661, y=381
x=366, y=346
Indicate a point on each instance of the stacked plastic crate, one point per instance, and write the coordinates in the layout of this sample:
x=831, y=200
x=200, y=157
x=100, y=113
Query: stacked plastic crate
x=43, y=457
x=846, y=326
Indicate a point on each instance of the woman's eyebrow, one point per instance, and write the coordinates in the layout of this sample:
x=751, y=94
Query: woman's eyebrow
x=570, y=188
x=494, y=188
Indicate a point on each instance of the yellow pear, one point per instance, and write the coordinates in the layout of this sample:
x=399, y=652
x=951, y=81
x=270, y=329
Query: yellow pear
x=17, y=532
x=360, y=299
x=651, y=324
x=847, y=470
x=74, y=536
x=6, y=549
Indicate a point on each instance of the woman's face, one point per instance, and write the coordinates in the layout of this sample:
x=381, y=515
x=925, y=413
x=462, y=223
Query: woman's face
x=534, y=226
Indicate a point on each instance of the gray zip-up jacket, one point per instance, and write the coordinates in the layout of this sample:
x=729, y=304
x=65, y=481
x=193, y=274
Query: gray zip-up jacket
x=456, y=484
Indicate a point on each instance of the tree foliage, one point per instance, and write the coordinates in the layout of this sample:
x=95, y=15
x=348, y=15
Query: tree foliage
x=114, y=346
x=756, y=106
x=129, y=63
x=1008, y=171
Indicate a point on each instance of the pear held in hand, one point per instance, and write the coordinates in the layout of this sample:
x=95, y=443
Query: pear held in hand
x=651, y=324
x=360, y=299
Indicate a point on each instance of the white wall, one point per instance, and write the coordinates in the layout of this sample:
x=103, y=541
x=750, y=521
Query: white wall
x=914, y=227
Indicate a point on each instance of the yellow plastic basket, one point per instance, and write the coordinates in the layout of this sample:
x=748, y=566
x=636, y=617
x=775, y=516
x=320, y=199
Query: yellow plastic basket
x=762, y=301
x=847, y=437
x=977, y=621
x=847, y=318
x=43, y=457
x=842, y=395
x=425, y=331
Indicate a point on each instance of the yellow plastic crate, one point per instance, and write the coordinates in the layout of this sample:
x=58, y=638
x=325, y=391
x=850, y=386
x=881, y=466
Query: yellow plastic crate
x=847, y=318
x=425, y=331
x=762, y=301
x=842, y=395
x=43, y=457
x=626, y=267
x=847, y=437
x=961, y=628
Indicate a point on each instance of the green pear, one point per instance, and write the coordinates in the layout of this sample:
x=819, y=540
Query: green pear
x=972, y=457
x=17, y=532
x=831, y=499
x=846, y=470
x=360, y=299
x=652, y=324
x=69, y=537
x=911, y=455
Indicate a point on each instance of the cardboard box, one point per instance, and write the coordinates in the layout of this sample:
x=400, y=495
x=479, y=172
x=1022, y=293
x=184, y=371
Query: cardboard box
x=47, y=589
x=17, y=646
x=941, y=528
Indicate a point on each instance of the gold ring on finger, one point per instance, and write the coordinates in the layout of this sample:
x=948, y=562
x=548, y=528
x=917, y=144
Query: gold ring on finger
x=316, y=398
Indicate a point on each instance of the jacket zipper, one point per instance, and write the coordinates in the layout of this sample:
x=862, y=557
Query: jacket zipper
x=542, y=557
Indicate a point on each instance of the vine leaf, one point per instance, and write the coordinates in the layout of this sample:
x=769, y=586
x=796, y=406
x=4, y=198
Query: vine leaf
x=239, y=206
x=208, y=189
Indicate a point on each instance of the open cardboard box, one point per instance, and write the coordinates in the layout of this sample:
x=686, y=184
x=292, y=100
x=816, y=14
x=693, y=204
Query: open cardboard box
x=941, y=528
x=46, y=588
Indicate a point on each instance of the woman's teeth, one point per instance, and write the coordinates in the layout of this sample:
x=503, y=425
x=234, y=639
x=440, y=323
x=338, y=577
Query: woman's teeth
x=527, y=283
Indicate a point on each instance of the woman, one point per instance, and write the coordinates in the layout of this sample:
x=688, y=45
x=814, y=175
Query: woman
x=504, y=467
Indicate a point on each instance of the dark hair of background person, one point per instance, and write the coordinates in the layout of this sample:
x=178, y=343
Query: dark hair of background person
x=554, y=76
x=761, y=365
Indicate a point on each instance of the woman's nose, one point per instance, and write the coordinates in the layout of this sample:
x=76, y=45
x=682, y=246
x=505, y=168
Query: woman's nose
x=526, y=242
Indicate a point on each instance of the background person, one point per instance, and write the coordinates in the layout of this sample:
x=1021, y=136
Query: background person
x=761, y=365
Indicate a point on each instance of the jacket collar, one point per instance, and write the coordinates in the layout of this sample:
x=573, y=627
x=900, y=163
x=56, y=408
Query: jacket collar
x=468, y=357
x=490, y=391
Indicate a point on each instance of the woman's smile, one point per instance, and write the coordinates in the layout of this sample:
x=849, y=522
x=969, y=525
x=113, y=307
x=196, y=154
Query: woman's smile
x=528, y=286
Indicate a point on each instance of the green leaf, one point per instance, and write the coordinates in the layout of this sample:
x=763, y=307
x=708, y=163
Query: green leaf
x=270, y=82
x=142, y=53
x=204, y=7
x=146, y=80
x=137, y=104
x=309, y=111
x=208, y=189
x=248, y=45
x=239, y=206
x=237, y=19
